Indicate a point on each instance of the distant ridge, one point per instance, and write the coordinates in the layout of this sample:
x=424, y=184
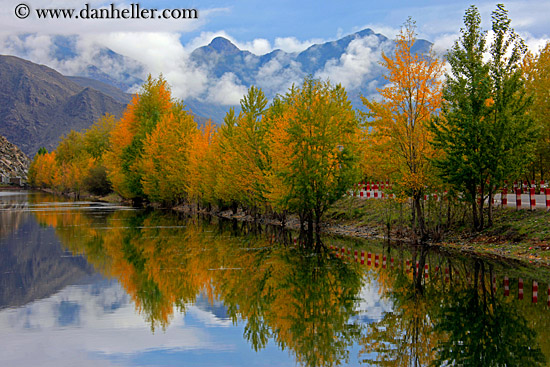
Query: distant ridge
x=38, y=104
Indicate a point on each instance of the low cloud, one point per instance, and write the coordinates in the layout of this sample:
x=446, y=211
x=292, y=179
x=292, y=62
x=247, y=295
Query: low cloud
x=292, y=44
x=278, y=75
x=226, y=91
x=358, y=63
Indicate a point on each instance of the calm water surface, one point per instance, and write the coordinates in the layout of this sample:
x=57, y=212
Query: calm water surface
x=92, y=284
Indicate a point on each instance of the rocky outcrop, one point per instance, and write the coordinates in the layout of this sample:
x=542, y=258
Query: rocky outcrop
x=13, y=162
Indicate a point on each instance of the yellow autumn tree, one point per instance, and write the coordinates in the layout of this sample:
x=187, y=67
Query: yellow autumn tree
x=44, y=171
x=313, y=151
x=166, y=157
x=203, y=165
x=397, y=126
x=124, y=160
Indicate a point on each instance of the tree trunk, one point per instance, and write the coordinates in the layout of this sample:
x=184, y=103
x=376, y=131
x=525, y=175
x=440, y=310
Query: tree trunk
x=310, y=229
x=474, y=212
x=419, y=215
x=490, y=204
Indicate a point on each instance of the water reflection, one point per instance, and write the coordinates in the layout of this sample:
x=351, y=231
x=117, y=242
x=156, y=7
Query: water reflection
x=402, y=307
x=302, y=300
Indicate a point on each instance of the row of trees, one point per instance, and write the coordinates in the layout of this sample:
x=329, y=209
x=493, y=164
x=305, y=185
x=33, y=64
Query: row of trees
x=299, y=154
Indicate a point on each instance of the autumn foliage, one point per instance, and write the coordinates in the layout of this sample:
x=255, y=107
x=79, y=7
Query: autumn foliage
x=306, y=149
x=398, y=139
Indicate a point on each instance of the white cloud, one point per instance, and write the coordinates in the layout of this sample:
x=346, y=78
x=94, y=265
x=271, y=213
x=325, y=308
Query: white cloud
x=258, y=46
x=535, y=44
x=359, y=62
x=96, y=333
x=227, y=90
x=277, y=75
x=292, y=44
x=443, y=43
x=160, y=53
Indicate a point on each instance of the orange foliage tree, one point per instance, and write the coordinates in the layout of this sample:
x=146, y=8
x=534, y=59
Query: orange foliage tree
x=124, y=160
x=165, y=161
x=313, y=151
x=397, y=126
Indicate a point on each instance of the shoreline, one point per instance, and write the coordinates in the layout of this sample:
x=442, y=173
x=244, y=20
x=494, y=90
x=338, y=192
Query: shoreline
x=484, y=244
x=464, y=242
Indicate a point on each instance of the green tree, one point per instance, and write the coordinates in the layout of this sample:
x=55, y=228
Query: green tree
x=495, y=334
x=485, y=133
x=314, y=142
x=537, y=74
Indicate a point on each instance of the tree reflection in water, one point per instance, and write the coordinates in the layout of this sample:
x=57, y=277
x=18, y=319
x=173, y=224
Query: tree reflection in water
x=482, y=330
x=304, y=298
x=458, y=323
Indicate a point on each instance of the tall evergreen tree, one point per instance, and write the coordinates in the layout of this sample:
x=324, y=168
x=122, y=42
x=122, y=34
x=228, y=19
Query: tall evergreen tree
x=484, y=131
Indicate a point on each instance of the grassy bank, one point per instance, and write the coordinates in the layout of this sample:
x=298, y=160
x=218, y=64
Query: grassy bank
x=515, y=234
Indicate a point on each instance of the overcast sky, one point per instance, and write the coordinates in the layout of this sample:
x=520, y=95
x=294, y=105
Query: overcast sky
x=257, y=26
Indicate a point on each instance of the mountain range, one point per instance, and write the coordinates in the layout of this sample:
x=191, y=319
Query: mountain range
x=353, y=61
x=38, y=104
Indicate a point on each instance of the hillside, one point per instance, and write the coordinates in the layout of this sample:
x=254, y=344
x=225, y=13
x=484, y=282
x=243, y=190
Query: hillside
x=38, y=105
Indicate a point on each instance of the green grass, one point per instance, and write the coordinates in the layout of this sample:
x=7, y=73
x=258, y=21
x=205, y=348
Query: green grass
x=515, y=234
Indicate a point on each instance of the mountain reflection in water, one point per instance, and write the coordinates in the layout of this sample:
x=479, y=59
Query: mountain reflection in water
x=324, y=307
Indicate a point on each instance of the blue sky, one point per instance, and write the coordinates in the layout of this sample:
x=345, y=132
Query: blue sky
x=163, y=46
x=247, y=20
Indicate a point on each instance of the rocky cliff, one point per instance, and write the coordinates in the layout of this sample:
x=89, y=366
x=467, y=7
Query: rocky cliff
x=13, y=162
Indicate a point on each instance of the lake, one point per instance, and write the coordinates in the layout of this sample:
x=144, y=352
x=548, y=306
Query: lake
x=96, y=284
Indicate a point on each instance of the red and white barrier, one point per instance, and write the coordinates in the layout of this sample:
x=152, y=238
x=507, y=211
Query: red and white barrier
x=369, y=262
x=447, y=275
x=426, y=271
x=520, y=289
x=535, y=291
x=376, y=260
x=362, y=257
x=384, y=262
